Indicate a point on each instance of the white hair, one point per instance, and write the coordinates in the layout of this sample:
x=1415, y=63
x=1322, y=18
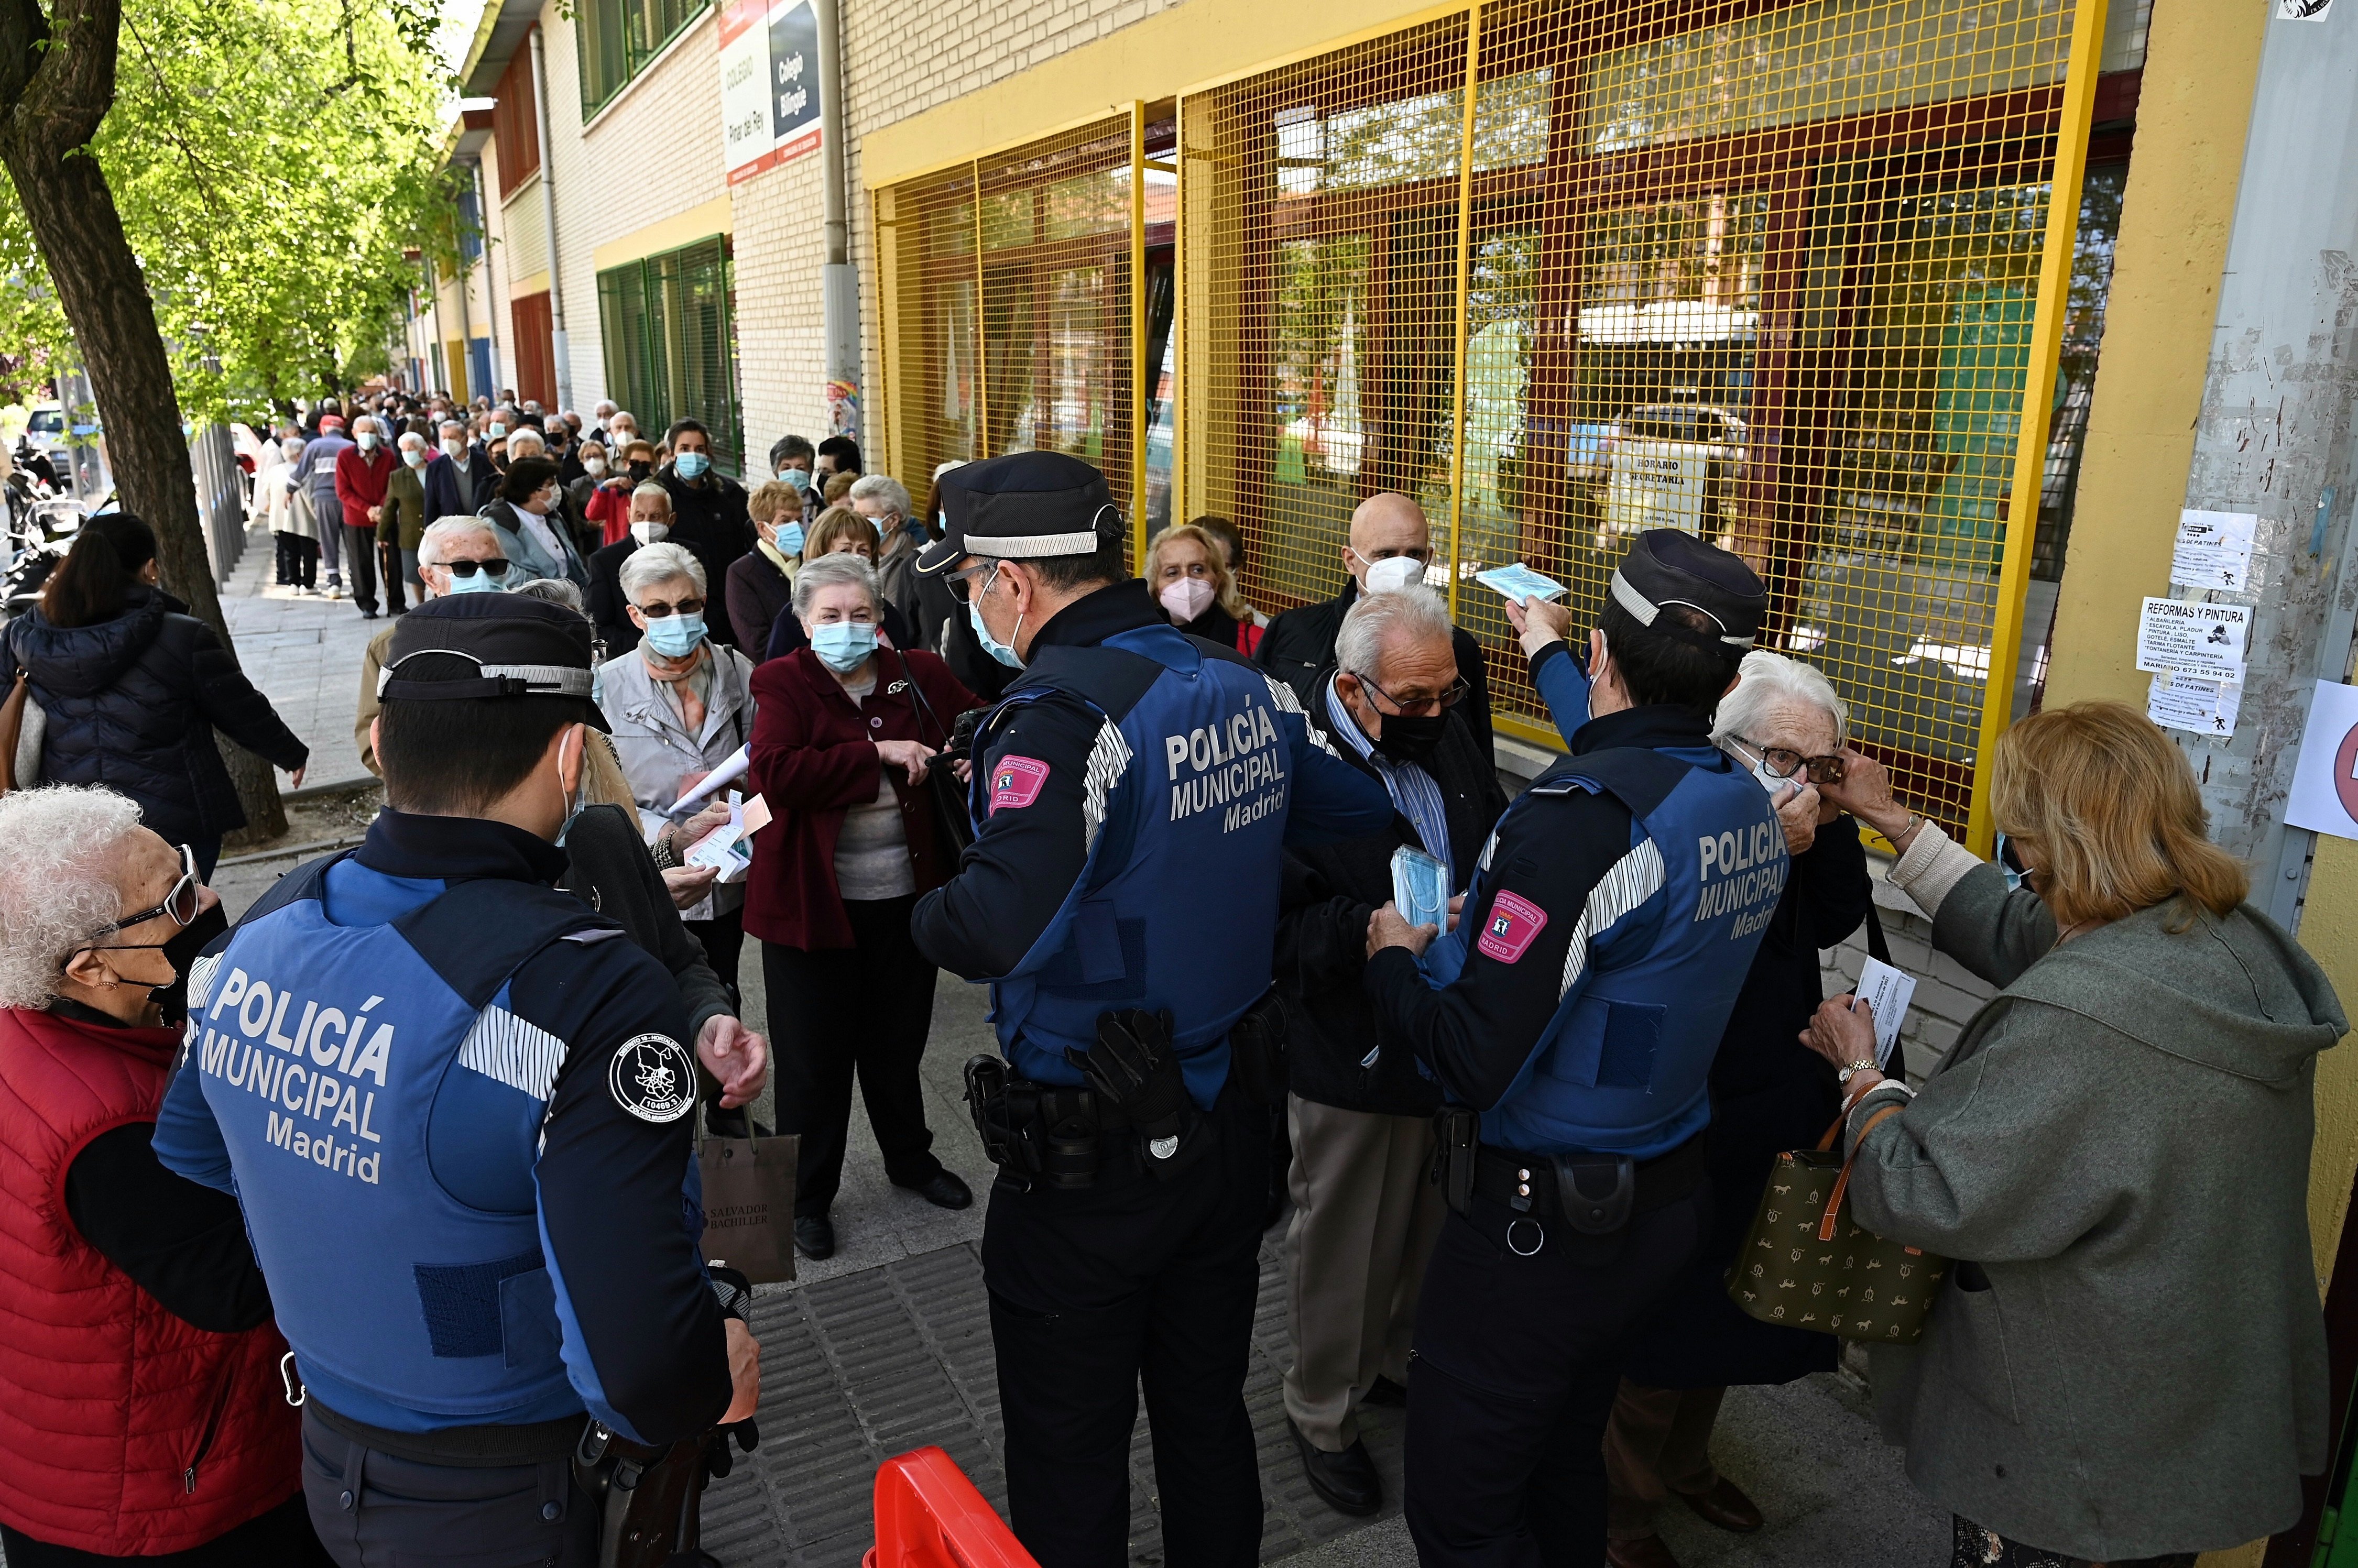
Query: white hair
x=649, y=487
x=59, y=845
x=1767, y=678
x=652, y=564
x=556, y=590
x=881, y=487
x=527, y=437
x=408, y=436
x=604, y=408
x=833, y=571
x=457, y=425
x=442, y=531
x=1415, y=612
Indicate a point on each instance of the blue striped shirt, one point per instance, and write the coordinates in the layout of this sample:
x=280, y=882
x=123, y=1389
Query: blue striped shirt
x=1412, y=789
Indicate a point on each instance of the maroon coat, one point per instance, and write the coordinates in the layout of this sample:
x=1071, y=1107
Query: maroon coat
x=813, y=757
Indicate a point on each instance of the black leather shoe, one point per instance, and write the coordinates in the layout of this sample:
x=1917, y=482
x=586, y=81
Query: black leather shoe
x=813, y=1236
x=943, y=1189
x=1385, y=1394
x=1347, y=1481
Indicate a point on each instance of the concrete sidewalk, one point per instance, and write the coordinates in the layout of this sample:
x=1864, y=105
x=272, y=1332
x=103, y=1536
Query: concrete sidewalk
x=886, y=1345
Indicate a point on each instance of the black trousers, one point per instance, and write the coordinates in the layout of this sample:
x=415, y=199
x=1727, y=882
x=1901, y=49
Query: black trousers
x=281, y=1538
x=373, y=1508
x=1512, y=1378
x=297, y=560
x=864, y=1008
x=723, y=941
x=1133, y=1280
x=359, y=566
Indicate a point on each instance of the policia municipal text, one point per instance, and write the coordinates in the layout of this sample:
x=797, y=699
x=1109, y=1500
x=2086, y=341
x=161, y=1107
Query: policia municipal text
x=1130, y=793
x=1571, y=1016
x=454, y=1104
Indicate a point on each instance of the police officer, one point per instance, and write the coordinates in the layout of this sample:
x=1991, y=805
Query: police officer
x=1131, y=791
x=454, y=1104
x=1576, y=1007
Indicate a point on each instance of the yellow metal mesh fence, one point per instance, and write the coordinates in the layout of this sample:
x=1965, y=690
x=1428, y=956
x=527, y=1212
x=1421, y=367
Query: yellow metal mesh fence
x=931, y=352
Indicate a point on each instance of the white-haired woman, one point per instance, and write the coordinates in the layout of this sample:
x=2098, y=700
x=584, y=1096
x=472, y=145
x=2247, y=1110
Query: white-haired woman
x=846, y=732
x=900, y=535
x=141, y=1414
x=1769, y=1093
x=680, y=704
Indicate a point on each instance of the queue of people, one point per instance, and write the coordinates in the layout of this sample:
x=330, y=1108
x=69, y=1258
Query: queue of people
x=1520, y=1148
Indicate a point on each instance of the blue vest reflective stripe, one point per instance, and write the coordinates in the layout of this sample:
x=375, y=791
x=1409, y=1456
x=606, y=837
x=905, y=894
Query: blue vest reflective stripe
x=1177, y=905
x=324, y=1049
x=1624, y=1066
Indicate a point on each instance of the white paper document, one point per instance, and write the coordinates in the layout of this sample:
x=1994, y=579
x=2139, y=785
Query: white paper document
x=1519, y=582
x=731, y=770
x=1889, y=991
x=2190, y=703
x=2205, y=640
x=725, y=849
x=2214, y=549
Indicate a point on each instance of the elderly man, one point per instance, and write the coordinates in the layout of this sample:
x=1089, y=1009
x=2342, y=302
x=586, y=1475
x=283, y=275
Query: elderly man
x=401, y=522
x=1365, y=1215
x=328, y=443
x=363, y=471
x=470, y=471
x=610, y=607
x=1392, y=545
x=455, y=555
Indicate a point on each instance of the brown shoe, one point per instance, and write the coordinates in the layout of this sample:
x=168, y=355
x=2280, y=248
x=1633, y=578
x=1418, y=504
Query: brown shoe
x=1726, y=1506
x=1640, y=1552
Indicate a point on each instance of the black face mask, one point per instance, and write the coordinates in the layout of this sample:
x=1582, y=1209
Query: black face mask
x=641, y=471
x=184, y=950
x=1412, y=740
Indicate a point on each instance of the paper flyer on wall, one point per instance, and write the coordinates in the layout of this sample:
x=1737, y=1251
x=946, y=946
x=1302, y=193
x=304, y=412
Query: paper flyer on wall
x=2214, y=549
x=2176, y=637
x=2192, y=704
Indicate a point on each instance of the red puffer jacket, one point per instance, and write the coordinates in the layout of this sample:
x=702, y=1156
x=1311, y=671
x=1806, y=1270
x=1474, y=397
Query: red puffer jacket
x=124, y=1429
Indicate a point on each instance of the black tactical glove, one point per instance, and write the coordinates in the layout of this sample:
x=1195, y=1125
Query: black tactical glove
x=1134, y=1067
x=962, y=730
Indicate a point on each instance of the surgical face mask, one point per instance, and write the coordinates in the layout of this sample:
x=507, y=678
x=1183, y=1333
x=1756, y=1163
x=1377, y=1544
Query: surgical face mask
x=413, y=456
x=1393, y=573
x=594, y=467
x=1186, y=598
x=675, y=636
x=454, y=447
x=477, y=582
x=691, y=465
x=499, y=428
x=183, y=950
x=1003, y=652
x=1761, y=774
x=624, y=435
x=367, y=439
x=790, y=538
x=877, y=523
x=650, y=533
x=843, y=646
x=2010, y=860
x=797, y=478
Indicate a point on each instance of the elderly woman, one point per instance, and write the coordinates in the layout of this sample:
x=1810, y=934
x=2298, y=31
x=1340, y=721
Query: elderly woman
x=900, y=535
x=530, y=516
x=141, y=1413
x=840, y=531
x=762, y=581
x=1769, y=1093
x=1187, y=571
x=2126, y=1364
x=680, y=704
x=846, y=732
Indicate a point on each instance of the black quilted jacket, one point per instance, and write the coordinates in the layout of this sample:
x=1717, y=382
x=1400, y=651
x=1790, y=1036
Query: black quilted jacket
x=132, y=703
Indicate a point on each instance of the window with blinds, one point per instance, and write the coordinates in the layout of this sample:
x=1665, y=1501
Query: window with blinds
x=616, y=40
x=669, y=324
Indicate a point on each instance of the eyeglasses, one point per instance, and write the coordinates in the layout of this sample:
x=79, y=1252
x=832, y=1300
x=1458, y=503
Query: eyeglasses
x=495, y=567
x=1785, y=764
x=1420, y=707
x=180, y=904
x=658, y=610
x=962, y=586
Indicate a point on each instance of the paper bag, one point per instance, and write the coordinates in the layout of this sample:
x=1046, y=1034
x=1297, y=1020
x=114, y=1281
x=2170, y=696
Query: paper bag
x=749, y=1203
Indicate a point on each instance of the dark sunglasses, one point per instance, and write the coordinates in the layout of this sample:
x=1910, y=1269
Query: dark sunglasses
x=659, y=609
x=495, y=567
x=1785, y=764
x=1420, y=707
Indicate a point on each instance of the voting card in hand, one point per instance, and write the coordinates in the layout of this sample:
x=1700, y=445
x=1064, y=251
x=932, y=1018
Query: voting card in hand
x=1889, y=991
x=1419, y=887
x=1519, y=582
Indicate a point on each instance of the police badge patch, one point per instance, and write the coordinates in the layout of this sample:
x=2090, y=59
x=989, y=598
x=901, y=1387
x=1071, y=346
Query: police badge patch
x=653, y=1078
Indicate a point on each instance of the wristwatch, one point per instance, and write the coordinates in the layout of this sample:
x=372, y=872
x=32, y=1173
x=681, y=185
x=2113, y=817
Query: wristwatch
x=1852, y=1069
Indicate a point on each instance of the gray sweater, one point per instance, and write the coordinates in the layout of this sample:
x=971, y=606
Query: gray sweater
x=2120, y=1139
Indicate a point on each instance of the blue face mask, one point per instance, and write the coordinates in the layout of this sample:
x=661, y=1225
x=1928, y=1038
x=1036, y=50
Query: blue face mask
x=691, y=465
x=843, y=646
x=498, y=430
x=675, y=636
x=2010, y=861
x=790, y=539
x=991, y=645
x=479, y=582
x=797, y=478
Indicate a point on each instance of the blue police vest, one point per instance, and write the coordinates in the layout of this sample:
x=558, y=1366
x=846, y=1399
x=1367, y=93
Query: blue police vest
x=1187, y=792
x=324, y=1049
x=1624, y=1066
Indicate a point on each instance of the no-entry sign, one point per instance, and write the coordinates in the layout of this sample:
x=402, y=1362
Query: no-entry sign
x=2325, y=785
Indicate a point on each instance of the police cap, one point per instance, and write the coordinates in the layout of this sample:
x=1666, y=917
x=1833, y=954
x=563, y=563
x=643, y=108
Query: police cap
x=1023, y=506
x=520, y=647
x=1667, y=566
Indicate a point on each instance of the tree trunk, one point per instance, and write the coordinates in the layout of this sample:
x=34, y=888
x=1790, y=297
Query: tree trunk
x=48, y=111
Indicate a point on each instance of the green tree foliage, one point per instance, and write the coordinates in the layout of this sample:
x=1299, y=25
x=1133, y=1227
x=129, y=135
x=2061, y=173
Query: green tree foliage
x=272, y=161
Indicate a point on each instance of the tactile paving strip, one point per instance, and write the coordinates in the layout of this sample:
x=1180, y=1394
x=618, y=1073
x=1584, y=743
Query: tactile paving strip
x=858, y=1369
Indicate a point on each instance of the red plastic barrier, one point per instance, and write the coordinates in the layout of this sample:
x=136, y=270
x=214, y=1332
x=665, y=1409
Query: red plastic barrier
x=928, y=1514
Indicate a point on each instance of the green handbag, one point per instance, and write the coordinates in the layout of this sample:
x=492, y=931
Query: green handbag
x=1805, y=1264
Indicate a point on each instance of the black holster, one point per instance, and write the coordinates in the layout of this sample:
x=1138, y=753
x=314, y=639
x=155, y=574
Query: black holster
x=650, y=1500
x=1046, y=1133
x=1456, y=1135
x=1256, y=1050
